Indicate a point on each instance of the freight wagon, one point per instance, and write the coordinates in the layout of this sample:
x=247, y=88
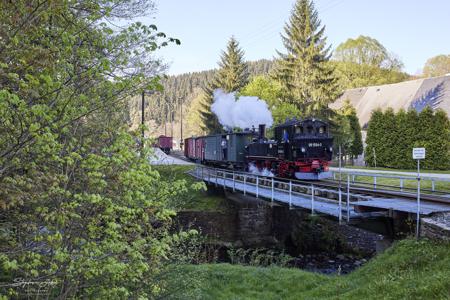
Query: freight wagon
x=165, y=143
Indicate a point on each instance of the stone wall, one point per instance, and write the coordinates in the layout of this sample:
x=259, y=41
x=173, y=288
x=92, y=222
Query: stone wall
x=219, y=226
x=436, y=227
x=254, y=223
x=321, y=233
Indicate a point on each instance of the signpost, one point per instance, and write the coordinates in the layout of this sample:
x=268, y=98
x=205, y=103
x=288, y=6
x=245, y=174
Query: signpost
x=418, y=154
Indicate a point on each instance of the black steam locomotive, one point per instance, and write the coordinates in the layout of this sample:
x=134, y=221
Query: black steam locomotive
x=300, y=149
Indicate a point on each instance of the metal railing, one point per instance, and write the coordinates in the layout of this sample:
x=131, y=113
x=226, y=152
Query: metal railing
x=255, y=183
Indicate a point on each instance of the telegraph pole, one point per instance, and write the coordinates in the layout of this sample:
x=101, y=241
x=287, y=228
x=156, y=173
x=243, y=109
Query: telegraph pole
x=143, y=115
x=143, y=118
x=165, y=119
x=171, y=123
x=181, y=124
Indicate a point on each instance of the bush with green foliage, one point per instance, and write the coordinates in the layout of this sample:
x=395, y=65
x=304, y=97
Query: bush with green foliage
x=392, y=136
x=81, y=210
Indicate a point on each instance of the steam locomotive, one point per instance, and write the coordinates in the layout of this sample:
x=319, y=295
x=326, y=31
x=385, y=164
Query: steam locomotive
x=299, y=149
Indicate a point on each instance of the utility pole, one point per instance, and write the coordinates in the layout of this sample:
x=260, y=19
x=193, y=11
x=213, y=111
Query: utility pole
x=171, y=122
x=340, y=187
x=143, y=115
x=143, y=118
x=165, y=119
x=181, y=123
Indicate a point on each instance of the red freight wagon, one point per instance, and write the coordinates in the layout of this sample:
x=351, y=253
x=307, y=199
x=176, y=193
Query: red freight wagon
x=186, y=147
x=165, y=143
x=200, y=149
x=189, y=150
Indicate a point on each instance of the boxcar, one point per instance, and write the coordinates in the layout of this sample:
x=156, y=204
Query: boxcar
x=189, y=148
x=200, y=149
x=165, y=143
x=236, y=144
x=213, y=148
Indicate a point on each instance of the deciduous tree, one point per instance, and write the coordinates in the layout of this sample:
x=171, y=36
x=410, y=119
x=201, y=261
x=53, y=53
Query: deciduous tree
x=81, y=210
x=437, y=66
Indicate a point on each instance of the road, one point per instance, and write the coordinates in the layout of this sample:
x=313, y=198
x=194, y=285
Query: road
x=160, y=158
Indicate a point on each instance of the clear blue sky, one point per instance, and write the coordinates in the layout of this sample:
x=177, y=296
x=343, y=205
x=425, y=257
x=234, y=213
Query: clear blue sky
x=415, y=30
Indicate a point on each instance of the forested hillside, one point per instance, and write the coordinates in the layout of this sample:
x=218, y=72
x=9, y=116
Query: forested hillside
x=185, y=90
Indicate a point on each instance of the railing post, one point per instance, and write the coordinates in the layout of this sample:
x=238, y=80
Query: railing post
x=401, y=184
x=257, y=186
x=202, y=173
x=224, y=177
x=290, y=194
x=209, y=176
x=348, y=198
x=272, y=191
x=217, y=175
x=353, y=178
x=234, y=183
x=340, y=205
x=312, y=199
x=432, y=185
x=245, y=185
x=374, y=182
x=334, y=176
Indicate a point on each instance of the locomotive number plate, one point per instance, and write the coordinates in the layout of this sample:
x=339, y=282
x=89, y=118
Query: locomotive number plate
x=314, y=144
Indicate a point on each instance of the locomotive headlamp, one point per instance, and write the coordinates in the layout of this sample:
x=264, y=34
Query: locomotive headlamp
x=303, y=149
x=331, y=149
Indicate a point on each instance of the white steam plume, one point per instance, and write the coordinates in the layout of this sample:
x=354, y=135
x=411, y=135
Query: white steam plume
x=255, y=170
x=244, y=112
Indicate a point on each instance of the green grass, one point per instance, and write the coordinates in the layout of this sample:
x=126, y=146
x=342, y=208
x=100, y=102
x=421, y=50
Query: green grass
x=409, y=270
x=398, y=170
x=193, y=200
x=443, y=186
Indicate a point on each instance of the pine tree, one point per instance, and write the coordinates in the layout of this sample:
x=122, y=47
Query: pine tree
x=307, y=78
x=231, y=77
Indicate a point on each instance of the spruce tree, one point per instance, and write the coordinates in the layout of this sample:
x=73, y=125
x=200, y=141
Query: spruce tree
x=231, y=77
x=307, y=77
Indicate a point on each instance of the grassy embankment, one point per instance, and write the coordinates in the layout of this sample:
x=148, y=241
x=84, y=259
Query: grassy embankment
x=399, y=170
x=194, y=200
x=409, y=270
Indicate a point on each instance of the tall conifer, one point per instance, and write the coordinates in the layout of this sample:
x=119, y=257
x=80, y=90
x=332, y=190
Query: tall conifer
x=372, y=152
x=308, y=79
x=231, y=77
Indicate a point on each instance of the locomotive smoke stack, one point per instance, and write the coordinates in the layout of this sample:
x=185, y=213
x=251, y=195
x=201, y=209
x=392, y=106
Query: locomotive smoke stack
x=262, y=131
